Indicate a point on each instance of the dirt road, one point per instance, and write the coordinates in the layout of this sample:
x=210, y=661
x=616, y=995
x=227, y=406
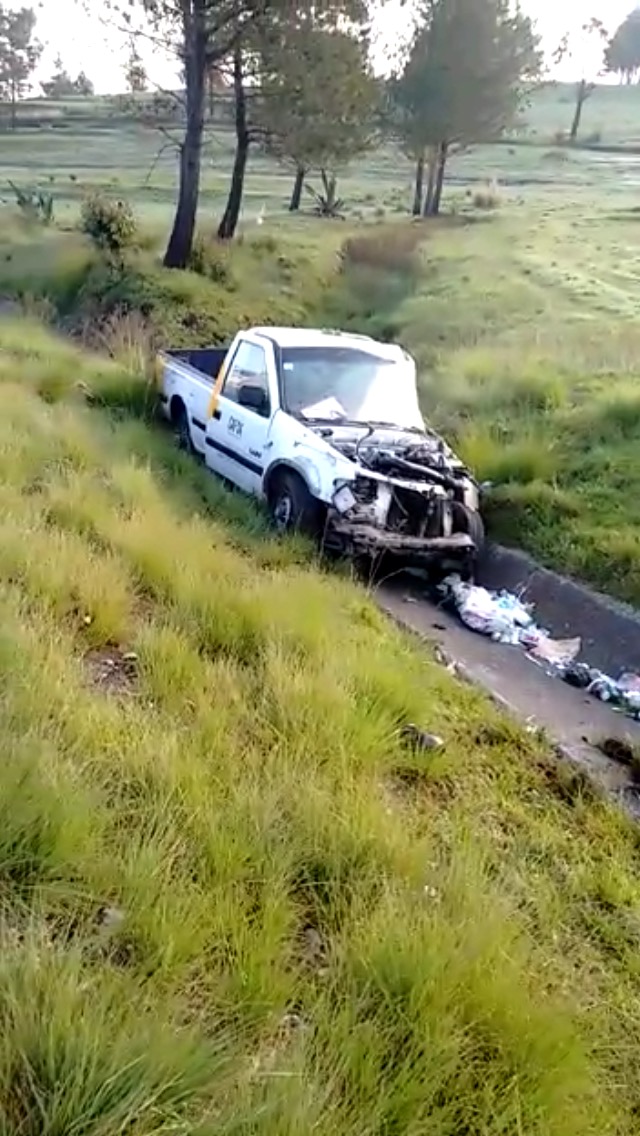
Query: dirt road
x=575, y=721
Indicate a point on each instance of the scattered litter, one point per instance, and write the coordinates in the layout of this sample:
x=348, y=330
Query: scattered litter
x=111, y=670
x=622, y=693
x=629, y=683
x=618, y=750
x=505, y=618
x=556, y=652
x=498, y=614
x=111, y=918
x=419, y=739
x=579, y=675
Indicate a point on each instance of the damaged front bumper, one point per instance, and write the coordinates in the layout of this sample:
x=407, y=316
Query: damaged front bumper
x=367, y=540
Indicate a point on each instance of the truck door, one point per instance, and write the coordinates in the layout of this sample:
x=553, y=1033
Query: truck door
x=237, y=432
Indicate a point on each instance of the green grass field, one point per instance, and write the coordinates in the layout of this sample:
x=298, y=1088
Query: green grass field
x=232, y=900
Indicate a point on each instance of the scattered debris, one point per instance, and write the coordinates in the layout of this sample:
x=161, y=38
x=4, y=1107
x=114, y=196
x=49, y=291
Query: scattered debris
x=507, y=619
x=110, y=919
x=500, y=615
x=618, y=750
x=578, y=675
x=313, y=949
x=419, y=740
x=556, y=652
x=623, y=693
x=111, y=670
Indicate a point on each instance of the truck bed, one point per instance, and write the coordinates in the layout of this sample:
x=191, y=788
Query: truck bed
x=206, y=360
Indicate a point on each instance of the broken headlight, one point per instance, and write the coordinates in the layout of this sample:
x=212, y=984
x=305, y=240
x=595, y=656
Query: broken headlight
x=365, y=490
x=343, y=499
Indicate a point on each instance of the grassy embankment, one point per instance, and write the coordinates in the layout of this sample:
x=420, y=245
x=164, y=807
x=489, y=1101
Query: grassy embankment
x=233, y=901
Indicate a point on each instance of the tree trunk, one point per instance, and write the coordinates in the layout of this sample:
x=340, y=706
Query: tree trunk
x=298, y=186
x=417, y=197
x=184, y=223
x=443, y=154
x=229, y=222
x=427, y=207
x=581, y=98
x=14, y=107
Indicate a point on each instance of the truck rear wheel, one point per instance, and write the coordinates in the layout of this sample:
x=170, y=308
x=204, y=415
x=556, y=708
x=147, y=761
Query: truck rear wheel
x=180, y=422
x=292, y=507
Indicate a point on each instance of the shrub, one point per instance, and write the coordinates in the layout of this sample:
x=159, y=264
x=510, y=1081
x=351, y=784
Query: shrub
x=265, y=244
x=388, y=248
x=210, y=261
x=110, y=225
x=488, y=197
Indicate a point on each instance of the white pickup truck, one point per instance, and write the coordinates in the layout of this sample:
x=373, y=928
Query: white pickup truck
x=326, y=428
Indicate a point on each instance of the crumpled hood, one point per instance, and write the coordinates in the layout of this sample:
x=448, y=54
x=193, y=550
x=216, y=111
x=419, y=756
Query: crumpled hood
x=387, y=437
x=367, y=445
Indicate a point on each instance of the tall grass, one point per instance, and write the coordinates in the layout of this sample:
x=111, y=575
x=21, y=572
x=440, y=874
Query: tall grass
x=231, y=899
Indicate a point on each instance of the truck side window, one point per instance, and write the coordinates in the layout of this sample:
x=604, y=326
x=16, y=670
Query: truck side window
x=249, y=368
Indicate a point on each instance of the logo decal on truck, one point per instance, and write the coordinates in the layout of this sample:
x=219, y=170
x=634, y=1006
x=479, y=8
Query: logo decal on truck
x=234, y=426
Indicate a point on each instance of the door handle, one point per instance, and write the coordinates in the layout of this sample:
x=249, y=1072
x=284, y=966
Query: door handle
x=217, y=415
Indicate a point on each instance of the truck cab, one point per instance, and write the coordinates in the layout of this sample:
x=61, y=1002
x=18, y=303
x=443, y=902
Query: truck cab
x=326, y=428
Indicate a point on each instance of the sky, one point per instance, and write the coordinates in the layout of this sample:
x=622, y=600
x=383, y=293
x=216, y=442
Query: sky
x=86, y=43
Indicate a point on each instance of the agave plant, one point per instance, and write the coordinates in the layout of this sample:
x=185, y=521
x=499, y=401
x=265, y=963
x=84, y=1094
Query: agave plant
x=36, y=205
x=327, y=203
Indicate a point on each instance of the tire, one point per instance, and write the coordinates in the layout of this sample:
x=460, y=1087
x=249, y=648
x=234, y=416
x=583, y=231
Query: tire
x=292, y=506
x=470, y=522
x=180, y=421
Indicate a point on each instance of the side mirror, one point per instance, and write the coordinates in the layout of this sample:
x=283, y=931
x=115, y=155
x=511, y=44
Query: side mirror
x=254, y=397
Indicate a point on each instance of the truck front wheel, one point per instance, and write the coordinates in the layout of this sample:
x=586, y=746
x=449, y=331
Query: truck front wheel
x=292, y=507
x=469, y=521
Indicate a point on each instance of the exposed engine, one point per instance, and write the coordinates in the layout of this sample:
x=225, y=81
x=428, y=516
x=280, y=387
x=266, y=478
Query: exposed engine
x=411, y=486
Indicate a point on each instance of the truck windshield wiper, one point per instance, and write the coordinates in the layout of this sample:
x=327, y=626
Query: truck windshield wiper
x=357, y=425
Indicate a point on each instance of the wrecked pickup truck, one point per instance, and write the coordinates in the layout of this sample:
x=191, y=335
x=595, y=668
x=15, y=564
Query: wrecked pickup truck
x=326, y=428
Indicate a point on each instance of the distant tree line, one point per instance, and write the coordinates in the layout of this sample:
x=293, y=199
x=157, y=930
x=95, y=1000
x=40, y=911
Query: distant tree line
x=20, y=54
x=617, y=54
x=296, y=81
x=622, y=53
x=62, y=85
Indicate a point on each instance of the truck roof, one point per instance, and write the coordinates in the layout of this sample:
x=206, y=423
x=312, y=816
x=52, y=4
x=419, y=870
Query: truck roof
x=314, y=337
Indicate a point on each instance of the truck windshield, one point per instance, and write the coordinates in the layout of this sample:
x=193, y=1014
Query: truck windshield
x=334, y=383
